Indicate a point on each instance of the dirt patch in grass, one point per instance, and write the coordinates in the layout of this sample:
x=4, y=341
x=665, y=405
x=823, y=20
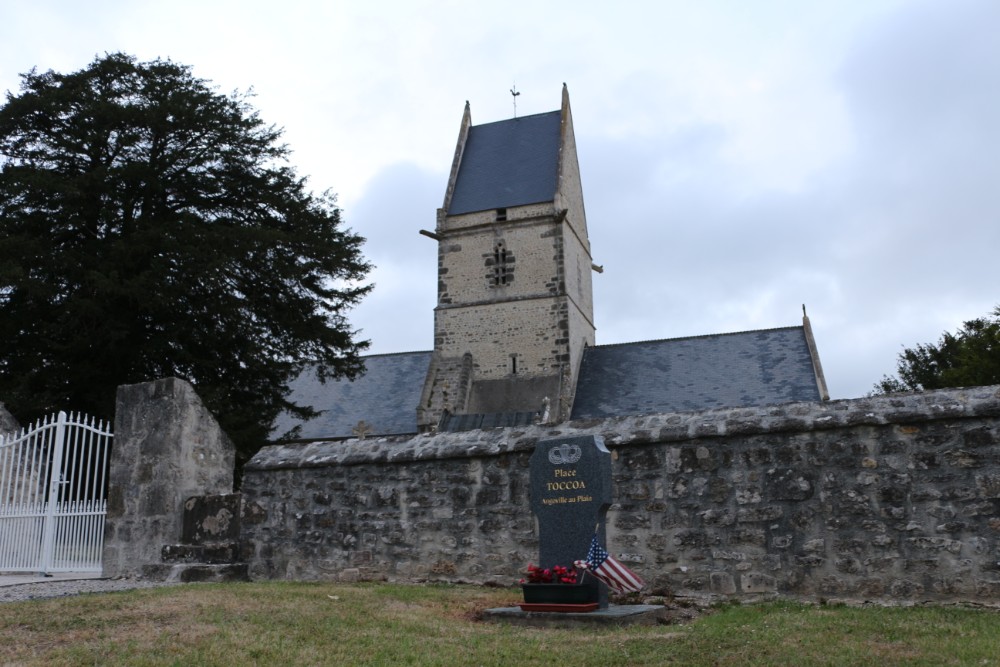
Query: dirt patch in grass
x=894, y=650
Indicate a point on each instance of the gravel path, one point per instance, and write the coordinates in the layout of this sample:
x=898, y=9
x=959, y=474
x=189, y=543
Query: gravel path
x=62, y=588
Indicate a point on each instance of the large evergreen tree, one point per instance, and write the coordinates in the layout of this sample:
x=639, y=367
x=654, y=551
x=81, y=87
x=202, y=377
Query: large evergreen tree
x=150, y=227
x=969, y=357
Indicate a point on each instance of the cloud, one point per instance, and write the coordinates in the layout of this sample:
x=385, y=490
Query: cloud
x=891, y=236
x=396, y=203
x=738, y=159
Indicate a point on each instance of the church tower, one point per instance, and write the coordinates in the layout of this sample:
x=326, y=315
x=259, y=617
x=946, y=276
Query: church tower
x=515, y=309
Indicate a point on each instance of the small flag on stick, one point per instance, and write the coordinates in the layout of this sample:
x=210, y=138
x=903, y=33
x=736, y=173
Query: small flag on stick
x=607, y=568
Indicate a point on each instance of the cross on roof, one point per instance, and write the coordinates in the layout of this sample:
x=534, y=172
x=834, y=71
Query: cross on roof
x=362, y=429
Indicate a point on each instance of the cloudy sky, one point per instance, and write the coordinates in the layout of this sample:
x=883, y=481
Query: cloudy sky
x=739, y=158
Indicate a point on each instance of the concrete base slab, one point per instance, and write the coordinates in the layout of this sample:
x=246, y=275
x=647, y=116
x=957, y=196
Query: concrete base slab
x=18, y=578
x=615, y=615
x=188, y=573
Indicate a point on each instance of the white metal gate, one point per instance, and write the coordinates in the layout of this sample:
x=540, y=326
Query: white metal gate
x=53, y=495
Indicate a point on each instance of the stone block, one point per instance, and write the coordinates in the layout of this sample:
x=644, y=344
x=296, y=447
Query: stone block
x=212, y=518
x=755, y=582
x=721, y=583
x=212, y=554
x=790, y=484
x=988, y=485
x=904, y=588
x=755, y=514
x=349, y=575
x=195, y=573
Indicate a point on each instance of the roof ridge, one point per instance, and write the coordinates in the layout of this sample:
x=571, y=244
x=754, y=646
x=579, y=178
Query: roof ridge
x=395, y=354
x=715, y=335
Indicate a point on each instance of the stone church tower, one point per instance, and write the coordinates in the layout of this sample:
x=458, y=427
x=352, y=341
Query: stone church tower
x=515, y=309
x=514, y=324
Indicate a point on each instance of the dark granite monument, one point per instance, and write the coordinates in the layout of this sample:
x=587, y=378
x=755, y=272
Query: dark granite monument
x=570, y=495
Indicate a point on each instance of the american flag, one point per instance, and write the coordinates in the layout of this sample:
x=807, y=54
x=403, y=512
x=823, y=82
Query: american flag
x=607, y=568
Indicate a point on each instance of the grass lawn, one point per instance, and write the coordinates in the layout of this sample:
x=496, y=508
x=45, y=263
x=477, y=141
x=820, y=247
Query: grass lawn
x=277, y=623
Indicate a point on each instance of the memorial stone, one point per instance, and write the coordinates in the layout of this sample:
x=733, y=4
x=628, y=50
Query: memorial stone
x=570, y=496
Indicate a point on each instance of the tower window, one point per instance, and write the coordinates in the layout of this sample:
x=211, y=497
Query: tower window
x=513, y=364
x=501, y=214
x=503, y=266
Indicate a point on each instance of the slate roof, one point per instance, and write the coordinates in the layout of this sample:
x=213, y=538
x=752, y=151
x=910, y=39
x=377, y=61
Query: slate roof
x=508, y=163
x=477, y=421
x=751, y=368
x=385, y=396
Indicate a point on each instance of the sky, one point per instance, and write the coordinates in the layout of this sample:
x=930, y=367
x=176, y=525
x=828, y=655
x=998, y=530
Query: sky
x=739, y=159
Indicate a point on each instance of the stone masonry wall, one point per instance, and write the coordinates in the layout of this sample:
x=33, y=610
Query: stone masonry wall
x=467, y=262
x=532, y=335
x=889, y=498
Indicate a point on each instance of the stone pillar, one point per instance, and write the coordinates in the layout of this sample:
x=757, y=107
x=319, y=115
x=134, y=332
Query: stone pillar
x=167, y=448
x=8, y=425
x=9, y=429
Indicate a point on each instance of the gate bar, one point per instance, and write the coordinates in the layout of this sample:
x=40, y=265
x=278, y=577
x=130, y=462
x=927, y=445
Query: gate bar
x=55, y=474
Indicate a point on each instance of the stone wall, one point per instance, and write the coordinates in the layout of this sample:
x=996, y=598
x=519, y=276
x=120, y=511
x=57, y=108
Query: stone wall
x=168, y=447
x=523, y=327
x=882, y=498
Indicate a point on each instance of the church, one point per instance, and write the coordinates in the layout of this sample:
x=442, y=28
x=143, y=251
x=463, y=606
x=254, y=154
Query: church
x=514, y=332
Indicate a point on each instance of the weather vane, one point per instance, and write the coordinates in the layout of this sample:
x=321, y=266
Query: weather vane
x=514, y=94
